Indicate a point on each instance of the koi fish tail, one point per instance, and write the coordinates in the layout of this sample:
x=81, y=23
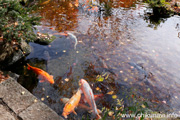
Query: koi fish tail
x=98, y=117
x=29, y=67
x=64, y=115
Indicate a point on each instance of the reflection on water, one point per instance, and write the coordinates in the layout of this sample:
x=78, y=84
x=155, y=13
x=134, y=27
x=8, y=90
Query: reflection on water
x=59, y=14
x=154, y=21
x=63, y=15
x=137, y=59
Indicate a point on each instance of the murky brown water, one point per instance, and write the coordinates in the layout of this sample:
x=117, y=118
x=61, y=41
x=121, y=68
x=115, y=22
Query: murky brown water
x=140, y=57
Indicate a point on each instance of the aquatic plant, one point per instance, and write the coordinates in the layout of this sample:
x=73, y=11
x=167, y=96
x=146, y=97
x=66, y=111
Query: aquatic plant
x=16, y=23
x=138, y=109
x=131, y=107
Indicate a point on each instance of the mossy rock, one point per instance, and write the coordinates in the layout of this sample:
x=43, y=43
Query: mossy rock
x=44, y=38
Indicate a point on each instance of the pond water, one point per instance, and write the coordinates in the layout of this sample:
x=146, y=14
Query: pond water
x=139, y=55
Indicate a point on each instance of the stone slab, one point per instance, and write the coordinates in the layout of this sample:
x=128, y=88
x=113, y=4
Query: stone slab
x=39, y=111
x=5, y=114
x=22, y=104
x=15, y=96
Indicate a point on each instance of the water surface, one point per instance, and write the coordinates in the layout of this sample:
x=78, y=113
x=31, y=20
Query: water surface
x=140, y=56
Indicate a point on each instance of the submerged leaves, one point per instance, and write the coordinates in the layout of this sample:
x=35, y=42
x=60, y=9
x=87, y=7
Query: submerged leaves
x=100, y=78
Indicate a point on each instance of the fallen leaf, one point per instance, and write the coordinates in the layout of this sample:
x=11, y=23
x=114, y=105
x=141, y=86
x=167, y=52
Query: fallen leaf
x=16, y=23
x=125, y=79
x=23, y=92
x=114, y=96
x=148, y=89
x=110, y=93
x=35, y=100
x=143, y=106
x=42, y=99
x=164, y=101
x=98, y=89
x=100, y=79
x=104, y=74
x=107, y=76
x=110, y=113
x=132, y=67
x=67, y=79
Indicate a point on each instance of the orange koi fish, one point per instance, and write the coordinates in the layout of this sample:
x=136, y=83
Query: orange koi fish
x=44, y=76
x=89, y=96
x=72, y=104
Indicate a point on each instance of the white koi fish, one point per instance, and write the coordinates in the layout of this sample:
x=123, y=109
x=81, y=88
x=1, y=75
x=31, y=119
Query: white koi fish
x=73, y=36
x=89, y=96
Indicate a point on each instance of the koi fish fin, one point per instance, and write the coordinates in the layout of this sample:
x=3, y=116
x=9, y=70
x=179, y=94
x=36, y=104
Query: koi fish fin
x=81, y=91
x=51, y=76
x=98, y=96
x=41, y=81
x=40, y=77
x=64, y=100
x=84, y=106
x=74, y=112
x=29, y=67
x=98, y=110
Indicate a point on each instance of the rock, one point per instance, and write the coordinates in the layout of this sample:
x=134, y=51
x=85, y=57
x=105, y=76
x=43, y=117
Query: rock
x=25, y=48
x=13, y=75
x=5, y=51
x=16, y=56
x=44, y=38
x=6, y=74
x=9, y=55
